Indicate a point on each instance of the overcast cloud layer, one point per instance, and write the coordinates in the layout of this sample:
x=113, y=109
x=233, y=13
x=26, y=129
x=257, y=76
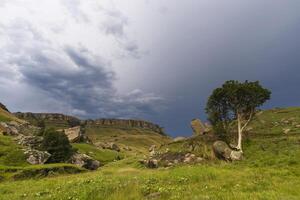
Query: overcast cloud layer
x=153, y=59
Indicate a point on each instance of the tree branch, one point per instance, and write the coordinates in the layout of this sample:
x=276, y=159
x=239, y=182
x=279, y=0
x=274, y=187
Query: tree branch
x=248, y=121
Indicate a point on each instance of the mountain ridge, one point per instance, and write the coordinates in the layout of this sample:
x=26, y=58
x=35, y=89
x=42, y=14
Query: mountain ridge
x=66, y=121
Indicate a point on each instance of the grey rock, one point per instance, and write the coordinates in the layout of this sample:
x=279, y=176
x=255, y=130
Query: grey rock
x=9, y=129
x=127, y=148
x=34, y=142
x=198, y=127
x=177, y=139
x=109, y=145
x=85, y=161
x=286, y=131
x=149, y=163
x=236, y=155
x=224, y=152
x=36, y=157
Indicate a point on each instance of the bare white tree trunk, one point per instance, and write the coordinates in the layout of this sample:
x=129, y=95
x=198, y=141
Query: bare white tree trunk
x=240, y=133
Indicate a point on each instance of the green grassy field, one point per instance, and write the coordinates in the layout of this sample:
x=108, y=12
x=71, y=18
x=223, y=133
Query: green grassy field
x=11, y=153
x=270, y=170
x=103, y=155
x=139, y=140
x=207, y=181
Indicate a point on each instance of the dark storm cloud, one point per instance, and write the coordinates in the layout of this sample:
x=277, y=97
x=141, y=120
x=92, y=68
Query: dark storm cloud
x=115, y=26
x=192, y=47
x=201, y=44
x=71, y=76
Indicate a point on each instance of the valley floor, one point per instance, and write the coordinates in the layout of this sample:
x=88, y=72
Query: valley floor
x=208, y=181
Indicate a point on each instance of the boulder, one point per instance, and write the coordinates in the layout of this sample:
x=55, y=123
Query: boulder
x=224, y=152
x=150, y=163
x=36, y=157
x=109, y=145
x=127, y=148
x=74, y=134
x=152, y=148
x=286, y=131
x=189, y=158
x=177, y=139
x=152, y=151
x=236, y=155
x=198, y=127
x=85, y=161
x=113, y=146
x=8, y=129
x=32, y=142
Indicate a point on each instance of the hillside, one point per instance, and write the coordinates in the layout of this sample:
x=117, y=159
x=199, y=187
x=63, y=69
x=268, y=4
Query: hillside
x=130, y=140
x=132, y=136
x=6, y=116
x=270, y=170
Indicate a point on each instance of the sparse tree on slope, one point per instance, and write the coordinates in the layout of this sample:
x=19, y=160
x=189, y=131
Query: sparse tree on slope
x=236, y=102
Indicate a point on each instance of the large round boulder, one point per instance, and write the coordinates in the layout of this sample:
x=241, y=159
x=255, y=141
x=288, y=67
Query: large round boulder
x=85, y=161
x=224, y=152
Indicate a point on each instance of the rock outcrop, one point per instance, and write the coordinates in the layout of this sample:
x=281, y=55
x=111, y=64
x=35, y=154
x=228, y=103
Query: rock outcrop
x=177, y=139
x=69, y=121
x=36, y=157
x=169, y=159
x=108, y=145
x=8, y=129
x=85, y=161
x=45, y=116
x=30, y=141
x=150, y=163
x=152, y=150
x=224, y=152
x=76, y=134
x=198, y=127
x=126, y=123
x=59, y=120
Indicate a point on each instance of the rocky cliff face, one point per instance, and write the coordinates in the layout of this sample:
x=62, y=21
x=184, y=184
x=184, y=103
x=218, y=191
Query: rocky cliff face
x=50, y=119
x=69, y=121
x=126, y=123
x=45, y=116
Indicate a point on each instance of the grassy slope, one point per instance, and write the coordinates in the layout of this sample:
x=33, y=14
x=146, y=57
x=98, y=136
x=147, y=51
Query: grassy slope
x=139, y=140
x=11, y=153
x=103, y=155
x=13, y=164
x=6, y=116
x=271, y=170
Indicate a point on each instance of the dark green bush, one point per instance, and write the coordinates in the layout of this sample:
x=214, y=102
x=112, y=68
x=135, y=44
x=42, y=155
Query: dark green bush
x=58, y=145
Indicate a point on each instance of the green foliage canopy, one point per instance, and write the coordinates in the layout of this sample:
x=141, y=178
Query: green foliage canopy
x=58, y=145
x=235, y=101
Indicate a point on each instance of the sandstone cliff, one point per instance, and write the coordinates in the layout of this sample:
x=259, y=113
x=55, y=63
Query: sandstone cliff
x=65, y=121
x=126, y=123
x=50, y=119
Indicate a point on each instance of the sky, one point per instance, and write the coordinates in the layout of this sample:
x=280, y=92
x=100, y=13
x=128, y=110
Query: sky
x=157, y=60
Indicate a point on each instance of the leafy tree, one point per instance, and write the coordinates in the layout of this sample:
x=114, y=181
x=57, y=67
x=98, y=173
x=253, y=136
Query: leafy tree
x=235, y=102
x=58, y=145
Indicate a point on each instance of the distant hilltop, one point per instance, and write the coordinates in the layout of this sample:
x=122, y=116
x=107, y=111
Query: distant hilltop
x=66, y=121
